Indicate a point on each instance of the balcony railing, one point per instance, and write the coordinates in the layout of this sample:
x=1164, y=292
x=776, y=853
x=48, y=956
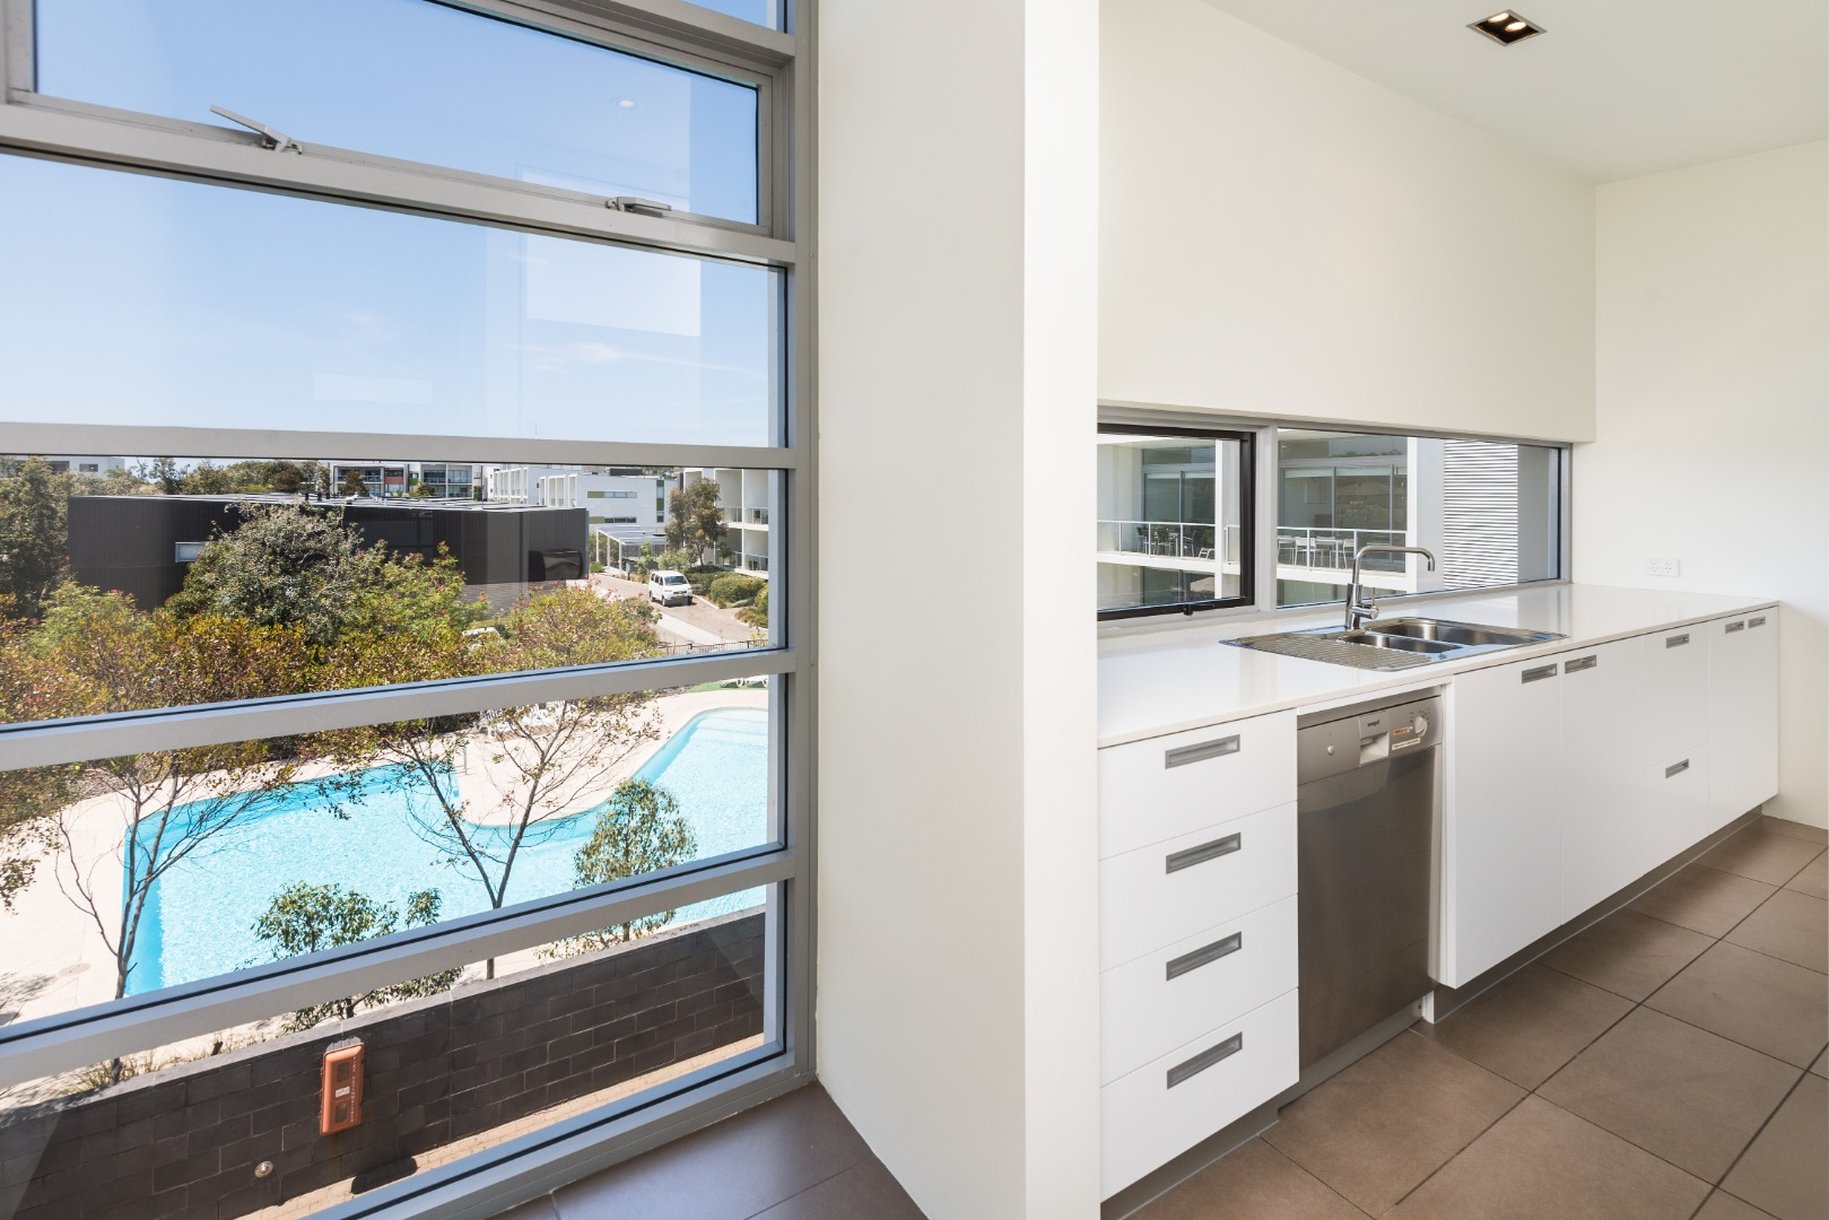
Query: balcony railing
x=1170, y=539
x=1307, y=547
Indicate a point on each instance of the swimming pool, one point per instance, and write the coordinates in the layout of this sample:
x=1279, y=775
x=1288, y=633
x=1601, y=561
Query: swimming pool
x=200, y=913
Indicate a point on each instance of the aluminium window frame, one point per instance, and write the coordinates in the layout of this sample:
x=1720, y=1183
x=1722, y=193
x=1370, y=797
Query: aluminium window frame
x=781, y=65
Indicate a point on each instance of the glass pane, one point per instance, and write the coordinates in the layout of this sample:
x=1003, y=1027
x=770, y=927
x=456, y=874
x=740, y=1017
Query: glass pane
x=1169, y=520
x=146, y=583
x=421, y=82
x=454, y=1064
x=238, y=309
x=1488, y=510
x=124, y=876
x=761, y=12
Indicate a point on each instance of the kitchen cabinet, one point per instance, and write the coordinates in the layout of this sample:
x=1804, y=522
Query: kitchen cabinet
x=1605, y=765
x=1674, y=709
x=1742, y=714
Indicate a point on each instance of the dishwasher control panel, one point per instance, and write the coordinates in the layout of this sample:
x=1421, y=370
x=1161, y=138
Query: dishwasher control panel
x=1355, y=739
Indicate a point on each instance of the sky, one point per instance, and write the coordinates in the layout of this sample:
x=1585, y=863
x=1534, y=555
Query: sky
x=134, y=299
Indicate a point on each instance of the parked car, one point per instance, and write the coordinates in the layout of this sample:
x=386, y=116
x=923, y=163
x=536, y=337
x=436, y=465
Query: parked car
x=669, y=588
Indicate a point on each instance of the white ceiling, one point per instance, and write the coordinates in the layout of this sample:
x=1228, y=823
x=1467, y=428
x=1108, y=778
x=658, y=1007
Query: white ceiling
x=1612, y=89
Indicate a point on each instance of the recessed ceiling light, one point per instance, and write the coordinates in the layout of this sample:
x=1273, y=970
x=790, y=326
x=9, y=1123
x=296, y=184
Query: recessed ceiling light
x=1507, y=27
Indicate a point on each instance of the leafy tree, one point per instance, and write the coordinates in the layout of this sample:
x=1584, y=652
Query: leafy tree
x=695, y=518
x=286, y=477
x=542, y=761
x=304, y=918
x=34, y=534
x=208, y=479
x=162, y=471
x=354, y=484
x=29, y=690
x=638, y=831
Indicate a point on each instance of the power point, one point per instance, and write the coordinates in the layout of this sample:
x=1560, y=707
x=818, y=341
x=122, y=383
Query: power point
x=1663, y=567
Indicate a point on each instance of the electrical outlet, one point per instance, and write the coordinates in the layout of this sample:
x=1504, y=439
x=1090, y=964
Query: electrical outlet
x=1663, y=567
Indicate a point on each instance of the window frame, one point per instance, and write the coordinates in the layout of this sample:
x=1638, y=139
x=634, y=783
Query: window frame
x=780, y=64
x=1248, y=506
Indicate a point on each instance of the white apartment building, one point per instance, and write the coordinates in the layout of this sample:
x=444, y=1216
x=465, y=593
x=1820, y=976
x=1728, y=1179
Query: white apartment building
x=627, y=511
x=748, y=502
x=442, y=480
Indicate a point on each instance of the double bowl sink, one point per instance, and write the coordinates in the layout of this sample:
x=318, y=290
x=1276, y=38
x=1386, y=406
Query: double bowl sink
x=1403, y=643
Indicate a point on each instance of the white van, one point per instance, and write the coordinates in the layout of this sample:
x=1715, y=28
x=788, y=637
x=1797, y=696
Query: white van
x=669, y=588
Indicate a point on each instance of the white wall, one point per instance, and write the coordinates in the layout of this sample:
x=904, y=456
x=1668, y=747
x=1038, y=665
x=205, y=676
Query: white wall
x=1713, y=412
x=958, y=887
x=1282, y=237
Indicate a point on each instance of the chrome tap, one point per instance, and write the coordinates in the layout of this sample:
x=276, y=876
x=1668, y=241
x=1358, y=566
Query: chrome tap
x=1359, y=607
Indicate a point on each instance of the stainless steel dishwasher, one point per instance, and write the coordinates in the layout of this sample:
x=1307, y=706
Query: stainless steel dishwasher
x=1370, y=789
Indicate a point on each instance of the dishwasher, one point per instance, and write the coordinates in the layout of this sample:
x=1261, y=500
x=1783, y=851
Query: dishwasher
x=1366, y=816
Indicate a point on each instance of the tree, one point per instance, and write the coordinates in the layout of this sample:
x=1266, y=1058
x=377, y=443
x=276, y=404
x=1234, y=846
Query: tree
x=354, y=484
x=162, y=471
x=542, y=762
x=695, y=518
x=29, y=691
x=208, y=479
x=34, y=534
x=305, y=918
x=638, y=831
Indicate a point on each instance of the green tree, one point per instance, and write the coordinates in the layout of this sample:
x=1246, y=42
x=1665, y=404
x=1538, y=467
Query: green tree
x=164, y=473
x=638, y=831
x=208, y=479
x=29, y=690
x=306, y=917
x=354, y=484
x=695, y=519
x=34, y=534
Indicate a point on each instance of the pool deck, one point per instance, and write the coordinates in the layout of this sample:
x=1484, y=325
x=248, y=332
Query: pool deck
x=53, y=957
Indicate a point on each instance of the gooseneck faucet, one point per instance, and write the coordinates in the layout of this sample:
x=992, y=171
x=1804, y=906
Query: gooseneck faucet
x=1359, y=607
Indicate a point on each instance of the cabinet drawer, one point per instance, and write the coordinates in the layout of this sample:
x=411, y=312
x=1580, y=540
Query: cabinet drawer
x=1158, y=1002
x=1172, y=1103
x=1167, y=786
x=1156, y=895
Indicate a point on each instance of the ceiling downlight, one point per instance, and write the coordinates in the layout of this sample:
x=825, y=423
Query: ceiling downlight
x=1506, y=27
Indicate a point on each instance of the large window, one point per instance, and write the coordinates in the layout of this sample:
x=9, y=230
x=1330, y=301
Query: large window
x=405, y=595
x=1174, y=532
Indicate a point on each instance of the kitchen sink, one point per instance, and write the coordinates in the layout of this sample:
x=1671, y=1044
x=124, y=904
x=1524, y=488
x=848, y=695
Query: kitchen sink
x=1403, y=643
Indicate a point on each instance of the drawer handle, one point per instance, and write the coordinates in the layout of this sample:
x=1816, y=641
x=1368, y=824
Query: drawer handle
x=1540, y=673
x=1189, y=857
x=1181, y=756
x=1736, y=625
x=1756, y=622
x=1225, y=1050
x=1676, y=641
x=1676, y=769
x=1204, y=955
x=1581, y=664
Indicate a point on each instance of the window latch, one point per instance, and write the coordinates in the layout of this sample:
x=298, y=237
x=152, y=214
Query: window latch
x=278, y=141
x=643, y=207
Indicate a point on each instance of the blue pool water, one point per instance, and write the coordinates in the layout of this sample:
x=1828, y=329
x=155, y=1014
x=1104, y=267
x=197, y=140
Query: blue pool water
x=200, y=914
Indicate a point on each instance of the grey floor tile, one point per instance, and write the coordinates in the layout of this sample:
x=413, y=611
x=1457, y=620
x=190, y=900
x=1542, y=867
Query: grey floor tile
x=1529, y=1025
x=1813, y=878
x=1540, y=1161
x=864, y=1190
x=1704, y=899
x=1628, y=953
x=1789, y=925
x=1691, y=1097
x=1756, y=1000
x=1797, y=830
x=1764, y=855
x=1723, y=1206
x=1819, y=1066
x=1380, y=1127
x=1785, y=1171
x=1251, y=1182
x=729, y=1171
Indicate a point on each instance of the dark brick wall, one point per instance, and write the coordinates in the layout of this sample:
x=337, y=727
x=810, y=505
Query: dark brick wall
x=184, y=1142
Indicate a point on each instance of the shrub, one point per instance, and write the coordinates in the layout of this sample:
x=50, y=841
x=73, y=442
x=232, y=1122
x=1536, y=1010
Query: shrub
x=756, y=613
x=734, y=589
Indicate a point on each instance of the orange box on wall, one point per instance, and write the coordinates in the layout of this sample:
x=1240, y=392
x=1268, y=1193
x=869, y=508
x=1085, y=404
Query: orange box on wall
x=341, y=1106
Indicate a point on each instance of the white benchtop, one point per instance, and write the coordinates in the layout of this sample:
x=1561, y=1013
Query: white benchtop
x=1167, y=681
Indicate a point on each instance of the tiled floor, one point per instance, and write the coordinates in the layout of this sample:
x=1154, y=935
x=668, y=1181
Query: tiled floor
x=793, y=1158
x=1668, y=1063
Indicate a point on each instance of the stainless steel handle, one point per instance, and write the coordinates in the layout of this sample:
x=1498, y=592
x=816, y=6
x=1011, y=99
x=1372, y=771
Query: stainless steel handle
x=1756, y=622
x=1676, y=769
x=1181, y=756
x=1540, y=673
x=1225, y=1050
x=1736, y=625
x=1189, y=857
x=1205, y=955
x=1676, y=641
x=1580, y=664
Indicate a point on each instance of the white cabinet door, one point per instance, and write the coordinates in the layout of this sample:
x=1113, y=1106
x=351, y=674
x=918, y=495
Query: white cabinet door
x=1675, y=763
x=1157, y=789
x=1503, y=829
x=1607, y=805
x=1742, y=714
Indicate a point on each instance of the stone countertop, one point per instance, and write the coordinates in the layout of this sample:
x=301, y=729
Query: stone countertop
x=1166, y=681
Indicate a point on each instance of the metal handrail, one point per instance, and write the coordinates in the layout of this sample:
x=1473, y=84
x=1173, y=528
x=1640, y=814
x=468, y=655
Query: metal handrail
x=1324, y=547
x=1173, y=539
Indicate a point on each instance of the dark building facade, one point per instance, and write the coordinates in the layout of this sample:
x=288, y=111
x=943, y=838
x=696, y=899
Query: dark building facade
x=142, y=545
